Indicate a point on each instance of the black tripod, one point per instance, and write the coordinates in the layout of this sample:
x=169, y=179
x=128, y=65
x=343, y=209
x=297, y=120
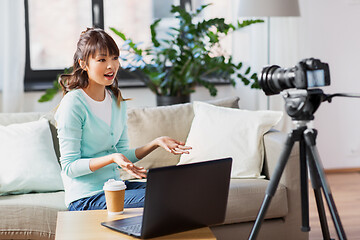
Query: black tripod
x=301, y=105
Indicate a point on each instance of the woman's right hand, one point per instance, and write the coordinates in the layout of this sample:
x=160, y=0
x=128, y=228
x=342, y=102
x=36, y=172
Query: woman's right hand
x=124, y=163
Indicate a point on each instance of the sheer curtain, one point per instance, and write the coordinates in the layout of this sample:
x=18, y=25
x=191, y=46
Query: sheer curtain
x=250, y=45
x=245, y=45
x=12, y=58
x=284, y=42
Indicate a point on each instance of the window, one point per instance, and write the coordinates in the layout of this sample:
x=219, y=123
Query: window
x=51, y=35
x=53, y=28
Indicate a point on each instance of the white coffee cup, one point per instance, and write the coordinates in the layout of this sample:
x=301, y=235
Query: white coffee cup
x=114, y=195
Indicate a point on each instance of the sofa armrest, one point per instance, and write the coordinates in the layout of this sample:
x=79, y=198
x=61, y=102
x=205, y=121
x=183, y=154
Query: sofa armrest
x=274, y=143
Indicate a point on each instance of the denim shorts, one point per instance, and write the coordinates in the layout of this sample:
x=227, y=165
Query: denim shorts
x=134, y=198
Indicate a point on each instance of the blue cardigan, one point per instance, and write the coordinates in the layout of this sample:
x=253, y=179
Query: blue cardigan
x=83, y=136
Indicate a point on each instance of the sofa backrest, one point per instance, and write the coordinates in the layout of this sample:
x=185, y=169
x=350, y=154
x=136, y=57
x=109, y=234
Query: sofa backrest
x=10, y=118
x=144, y=125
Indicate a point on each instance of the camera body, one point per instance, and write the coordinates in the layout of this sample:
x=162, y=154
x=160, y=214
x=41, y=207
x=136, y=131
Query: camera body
x=308, y=73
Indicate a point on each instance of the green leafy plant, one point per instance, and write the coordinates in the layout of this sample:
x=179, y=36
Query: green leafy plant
x=51, y=92
x=191, y=55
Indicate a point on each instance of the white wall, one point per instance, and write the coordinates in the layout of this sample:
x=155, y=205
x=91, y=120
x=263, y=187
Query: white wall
x=329, y=30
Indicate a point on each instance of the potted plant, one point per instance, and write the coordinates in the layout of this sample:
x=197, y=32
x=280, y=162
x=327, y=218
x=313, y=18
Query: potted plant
x=191, y=55
x=172, y=67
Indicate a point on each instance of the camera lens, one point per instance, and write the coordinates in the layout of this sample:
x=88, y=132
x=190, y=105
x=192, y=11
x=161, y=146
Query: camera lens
x=275, y=79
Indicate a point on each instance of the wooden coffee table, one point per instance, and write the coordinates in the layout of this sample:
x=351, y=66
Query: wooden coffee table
x=86, y=225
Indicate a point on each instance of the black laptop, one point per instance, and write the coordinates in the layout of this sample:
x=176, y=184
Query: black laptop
x=180, y=198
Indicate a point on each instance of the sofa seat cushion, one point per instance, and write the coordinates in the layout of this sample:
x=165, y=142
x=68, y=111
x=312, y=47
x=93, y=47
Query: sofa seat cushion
x=30, y=216
x=246, y=196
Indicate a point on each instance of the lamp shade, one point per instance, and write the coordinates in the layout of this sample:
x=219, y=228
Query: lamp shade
x=268, y=8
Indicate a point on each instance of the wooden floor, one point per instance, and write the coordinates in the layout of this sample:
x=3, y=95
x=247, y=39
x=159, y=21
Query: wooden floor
x=345, y=188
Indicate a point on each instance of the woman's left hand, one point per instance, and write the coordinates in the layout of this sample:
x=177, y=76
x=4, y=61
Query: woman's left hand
x=173, y=146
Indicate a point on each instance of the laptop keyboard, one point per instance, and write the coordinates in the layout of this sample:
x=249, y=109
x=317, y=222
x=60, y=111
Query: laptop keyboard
x=132, y=229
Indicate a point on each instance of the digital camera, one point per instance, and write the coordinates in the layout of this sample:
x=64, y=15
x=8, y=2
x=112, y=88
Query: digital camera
x=308, y=73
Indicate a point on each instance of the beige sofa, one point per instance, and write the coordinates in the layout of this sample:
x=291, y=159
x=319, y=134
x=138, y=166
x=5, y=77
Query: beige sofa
x=33, y=215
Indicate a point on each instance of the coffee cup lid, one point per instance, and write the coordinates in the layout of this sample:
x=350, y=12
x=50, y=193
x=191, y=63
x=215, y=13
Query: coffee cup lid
x=114, y=185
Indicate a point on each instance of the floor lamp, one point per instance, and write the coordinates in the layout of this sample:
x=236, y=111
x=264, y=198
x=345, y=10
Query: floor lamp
x=268, y=8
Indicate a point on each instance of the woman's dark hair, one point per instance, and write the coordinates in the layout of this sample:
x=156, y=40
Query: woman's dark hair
x=91, y=40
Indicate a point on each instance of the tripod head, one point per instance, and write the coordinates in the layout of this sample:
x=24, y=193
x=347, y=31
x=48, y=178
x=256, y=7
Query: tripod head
x=301, y=105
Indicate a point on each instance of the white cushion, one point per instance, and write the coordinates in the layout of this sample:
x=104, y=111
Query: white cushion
x=218, y=132
x=27, y=159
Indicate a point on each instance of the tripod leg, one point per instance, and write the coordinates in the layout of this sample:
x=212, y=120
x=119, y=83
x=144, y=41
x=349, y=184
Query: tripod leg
x=310, y=141
x=316, y=185
x=274, y=182
x=304, y=188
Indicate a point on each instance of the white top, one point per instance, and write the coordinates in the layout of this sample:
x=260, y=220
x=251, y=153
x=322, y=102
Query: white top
x=101, y=109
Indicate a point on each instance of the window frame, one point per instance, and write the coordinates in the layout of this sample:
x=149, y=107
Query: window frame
x=40, y=80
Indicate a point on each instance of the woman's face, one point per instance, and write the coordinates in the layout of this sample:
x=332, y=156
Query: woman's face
x=102, y=68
